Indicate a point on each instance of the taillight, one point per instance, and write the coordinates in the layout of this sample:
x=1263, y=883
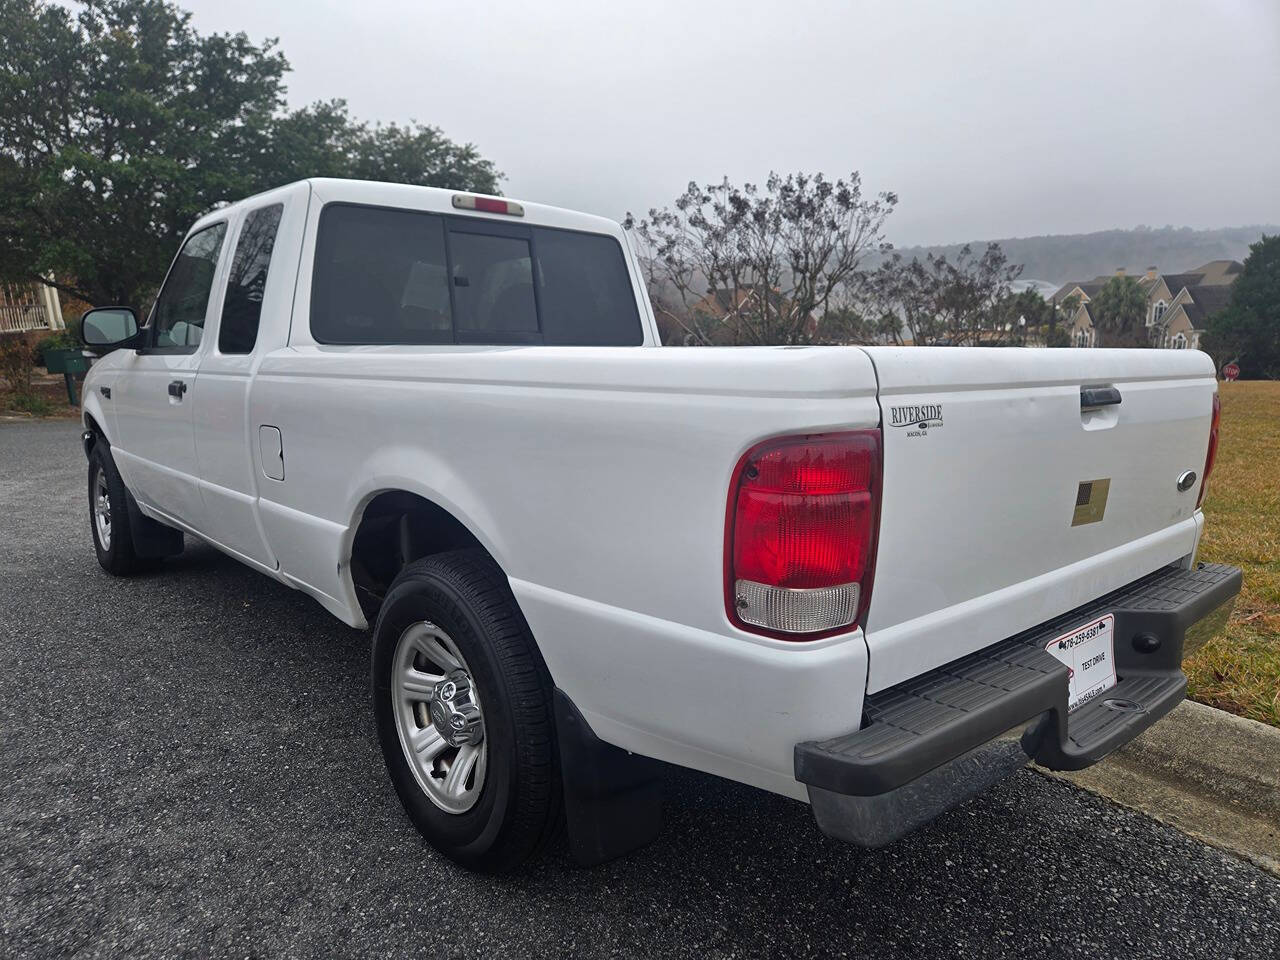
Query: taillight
x=469, y=201
x=800, y=534
x=1212, y=454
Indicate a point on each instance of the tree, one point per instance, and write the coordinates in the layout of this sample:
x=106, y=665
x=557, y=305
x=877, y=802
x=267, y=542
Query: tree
x=948, y=302
x=1120, y=314
x=732, y=264
x=323, y=141
x=1061, y=317
x=1248, y=330
x=1026, y=315
x=866, y=322
x=121, y=125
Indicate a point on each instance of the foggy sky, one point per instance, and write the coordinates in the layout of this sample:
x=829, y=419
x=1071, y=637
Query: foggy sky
x=989, y=120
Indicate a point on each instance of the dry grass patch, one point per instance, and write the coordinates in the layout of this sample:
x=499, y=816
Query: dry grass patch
x=46, y=397
x=1240, y=670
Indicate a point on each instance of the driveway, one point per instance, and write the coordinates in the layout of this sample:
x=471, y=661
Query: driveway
x=188, y=767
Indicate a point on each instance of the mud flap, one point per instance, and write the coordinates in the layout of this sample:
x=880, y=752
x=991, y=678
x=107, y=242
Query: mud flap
x=151, y=538
x=612, y=798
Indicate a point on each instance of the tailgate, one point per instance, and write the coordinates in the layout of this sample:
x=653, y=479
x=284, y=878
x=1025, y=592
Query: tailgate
x=1006, y=503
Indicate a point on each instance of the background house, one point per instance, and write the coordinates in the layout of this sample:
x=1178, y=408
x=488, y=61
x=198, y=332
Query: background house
x=1188, y=314
x=1178, y=304
x=1081, y=327
x=29, y=306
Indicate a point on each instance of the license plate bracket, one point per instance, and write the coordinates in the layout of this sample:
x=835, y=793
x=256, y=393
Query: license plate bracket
x=1088, y=651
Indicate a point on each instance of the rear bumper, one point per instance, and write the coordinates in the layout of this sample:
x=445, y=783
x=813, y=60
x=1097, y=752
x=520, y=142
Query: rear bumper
x=938, y=739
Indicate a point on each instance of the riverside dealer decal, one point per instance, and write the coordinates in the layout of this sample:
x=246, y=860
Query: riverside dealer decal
x=916, y=418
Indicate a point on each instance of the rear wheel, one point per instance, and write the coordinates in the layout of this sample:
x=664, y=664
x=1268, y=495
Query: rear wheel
x=462, y=702
x=109, y=517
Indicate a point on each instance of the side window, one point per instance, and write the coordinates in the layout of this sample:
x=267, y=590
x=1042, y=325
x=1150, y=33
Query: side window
x=178, y=319
x=242, y=306
x=380, y=276
x=584, y=290
x=492, y=286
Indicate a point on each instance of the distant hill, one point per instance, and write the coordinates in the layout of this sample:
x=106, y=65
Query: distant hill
x=1079, y=256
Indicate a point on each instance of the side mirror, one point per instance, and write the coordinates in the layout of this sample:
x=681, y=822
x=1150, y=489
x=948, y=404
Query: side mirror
x=109, y=328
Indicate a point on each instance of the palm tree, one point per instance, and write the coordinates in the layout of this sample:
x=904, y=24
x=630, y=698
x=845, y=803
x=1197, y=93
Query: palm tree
x=1120, y=313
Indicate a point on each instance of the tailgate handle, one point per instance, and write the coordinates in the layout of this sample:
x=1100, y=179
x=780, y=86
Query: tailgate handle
x=1098, y=397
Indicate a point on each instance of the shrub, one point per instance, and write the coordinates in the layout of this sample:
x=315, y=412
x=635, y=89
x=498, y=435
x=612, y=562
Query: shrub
x=73, y=329
x=15, y=363
x=62, y=340
x=32, y=403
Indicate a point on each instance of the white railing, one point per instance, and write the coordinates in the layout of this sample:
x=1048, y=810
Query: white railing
x=22, y=317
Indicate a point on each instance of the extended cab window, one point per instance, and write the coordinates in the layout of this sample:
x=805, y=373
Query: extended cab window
x=242, y=306
x=178, y=319
x=380, y=277
x=400, y=276
x=584, y=290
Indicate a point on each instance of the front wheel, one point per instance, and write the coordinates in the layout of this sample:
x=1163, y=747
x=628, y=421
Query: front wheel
x=462, y=702
x=109, y=517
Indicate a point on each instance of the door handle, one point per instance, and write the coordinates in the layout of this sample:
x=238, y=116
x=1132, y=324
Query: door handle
x=177, y=388
x=1098, y=397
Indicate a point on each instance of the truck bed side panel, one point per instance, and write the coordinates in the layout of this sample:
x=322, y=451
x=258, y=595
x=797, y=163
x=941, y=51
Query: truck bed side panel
x=598, y=478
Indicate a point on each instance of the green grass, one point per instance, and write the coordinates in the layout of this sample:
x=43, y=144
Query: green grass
x=1239, y=671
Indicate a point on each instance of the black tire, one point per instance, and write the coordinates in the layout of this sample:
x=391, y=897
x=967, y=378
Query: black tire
x=519, y=809
x=118, y=557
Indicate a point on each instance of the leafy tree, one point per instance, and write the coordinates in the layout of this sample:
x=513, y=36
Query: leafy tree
x=1025, y=316
x=121, y=125
x=323, y=141
x=949, y=302
x=745, y=264
x=1120, y=314
x=1061, y=317
x=1057, y=337
x=868, y=321
x=1248, y=330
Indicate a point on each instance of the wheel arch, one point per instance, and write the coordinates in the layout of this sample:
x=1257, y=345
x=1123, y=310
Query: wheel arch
x=93, y=430
x=391, y=527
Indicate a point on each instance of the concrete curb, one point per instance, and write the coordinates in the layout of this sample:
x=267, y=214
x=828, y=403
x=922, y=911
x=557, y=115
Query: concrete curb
x=1209, y=773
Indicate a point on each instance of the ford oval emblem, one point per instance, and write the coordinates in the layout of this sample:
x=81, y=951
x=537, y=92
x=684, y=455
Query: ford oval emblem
x=1187, y=480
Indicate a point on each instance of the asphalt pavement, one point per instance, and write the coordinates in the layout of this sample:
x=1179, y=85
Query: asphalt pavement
x=188, y=768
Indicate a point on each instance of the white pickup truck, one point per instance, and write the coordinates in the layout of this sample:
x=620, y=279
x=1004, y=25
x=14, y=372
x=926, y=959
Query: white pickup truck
x=874, y=579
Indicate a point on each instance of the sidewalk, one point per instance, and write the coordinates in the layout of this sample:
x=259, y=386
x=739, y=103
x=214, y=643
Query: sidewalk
x=1211, y=774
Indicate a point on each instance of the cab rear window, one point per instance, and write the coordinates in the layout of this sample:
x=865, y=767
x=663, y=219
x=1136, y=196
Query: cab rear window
x=385, y=276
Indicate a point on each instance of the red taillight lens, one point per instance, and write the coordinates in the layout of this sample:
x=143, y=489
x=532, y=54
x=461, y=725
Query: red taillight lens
x=801, y=534
x=1212, y=453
